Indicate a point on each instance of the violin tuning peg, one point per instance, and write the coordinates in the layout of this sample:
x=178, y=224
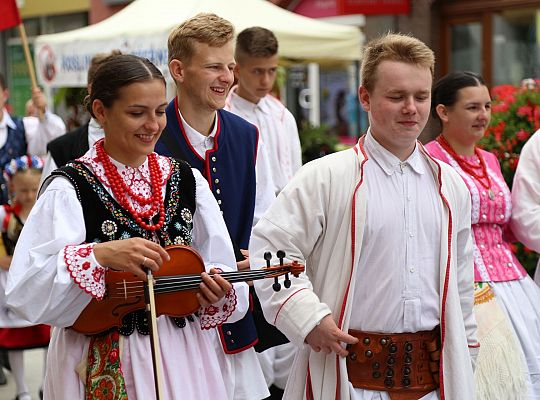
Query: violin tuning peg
x=276, y=286
x=287, y=283
x=280, y=254
x=267, y=256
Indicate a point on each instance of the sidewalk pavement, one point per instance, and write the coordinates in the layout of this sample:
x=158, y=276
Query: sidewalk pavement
x=33, y=368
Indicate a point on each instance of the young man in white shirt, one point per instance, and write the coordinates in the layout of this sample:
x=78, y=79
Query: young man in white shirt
x=384, y=231
x=256, y=56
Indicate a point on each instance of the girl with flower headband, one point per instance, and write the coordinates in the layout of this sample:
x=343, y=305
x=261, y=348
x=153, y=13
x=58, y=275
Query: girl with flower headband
x=506, y=298
x=23, y=176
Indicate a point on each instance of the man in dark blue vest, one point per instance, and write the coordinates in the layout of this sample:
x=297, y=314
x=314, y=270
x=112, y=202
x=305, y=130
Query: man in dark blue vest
x=28, y=135
x=227, y=151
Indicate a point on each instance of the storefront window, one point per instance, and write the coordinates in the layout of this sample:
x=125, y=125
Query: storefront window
x=516, y=45
x=466, y=42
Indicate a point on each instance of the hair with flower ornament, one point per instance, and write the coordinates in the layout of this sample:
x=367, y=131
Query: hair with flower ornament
x=23, y=163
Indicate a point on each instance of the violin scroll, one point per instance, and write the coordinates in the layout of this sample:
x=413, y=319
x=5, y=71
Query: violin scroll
x=293, y=268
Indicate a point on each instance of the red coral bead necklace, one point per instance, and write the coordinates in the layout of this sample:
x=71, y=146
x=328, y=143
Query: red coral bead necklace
x=470, y=167
x=122, y=191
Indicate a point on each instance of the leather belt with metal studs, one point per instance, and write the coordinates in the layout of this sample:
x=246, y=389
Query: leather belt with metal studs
x=406, y=365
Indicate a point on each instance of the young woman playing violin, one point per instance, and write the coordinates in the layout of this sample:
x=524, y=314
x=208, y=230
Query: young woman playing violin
x=112, y=212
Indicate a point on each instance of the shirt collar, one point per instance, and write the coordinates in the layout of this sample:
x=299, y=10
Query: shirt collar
x=95, y=132
x=194, y=136
x=93, y=123
x=7, y=121
x=242, y=103
x=388, y=161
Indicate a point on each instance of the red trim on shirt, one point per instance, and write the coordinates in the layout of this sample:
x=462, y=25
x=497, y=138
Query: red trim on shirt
x=235, y=351
x=359, y=147
x=257, y=146
x=288, y=298
x=181, y=125
x=447, y=275
x=209, y=152
x=206, y=159
x=309, y=388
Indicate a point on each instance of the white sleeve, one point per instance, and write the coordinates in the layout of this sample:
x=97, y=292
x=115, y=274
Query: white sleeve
x=525, y=222
x=39, y=133
x=211, y=239
x=264, y=195
x=40, y=288
x=294, y=142
x=298, y=209
x=48, y=166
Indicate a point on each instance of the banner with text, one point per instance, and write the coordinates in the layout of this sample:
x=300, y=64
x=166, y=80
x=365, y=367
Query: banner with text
x=66, y=64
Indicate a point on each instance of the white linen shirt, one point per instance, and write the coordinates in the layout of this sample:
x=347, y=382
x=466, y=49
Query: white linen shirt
x=264, y=195
x=278, y=130
x=38, y=133
x=400, y=250
x=397, y=281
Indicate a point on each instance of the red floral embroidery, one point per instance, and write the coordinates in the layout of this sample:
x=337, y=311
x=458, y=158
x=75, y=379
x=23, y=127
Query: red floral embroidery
x=113, y=356
x=211, y=310
x=105, y=390
x=89, y=276
x=84, y=251
x=217, y=314
x=98, y=273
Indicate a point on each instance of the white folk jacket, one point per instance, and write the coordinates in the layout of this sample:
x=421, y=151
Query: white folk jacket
x=319, y=218
x=525, y=221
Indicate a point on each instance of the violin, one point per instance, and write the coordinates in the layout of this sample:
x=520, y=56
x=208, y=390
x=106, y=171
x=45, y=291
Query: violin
x=175, y=294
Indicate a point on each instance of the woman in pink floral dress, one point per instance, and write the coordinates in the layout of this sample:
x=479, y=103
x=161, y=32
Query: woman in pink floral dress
x=506, y=298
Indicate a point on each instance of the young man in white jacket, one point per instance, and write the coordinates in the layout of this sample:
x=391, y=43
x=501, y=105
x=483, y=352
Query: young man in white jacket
x=384, y=309
x=526, y=197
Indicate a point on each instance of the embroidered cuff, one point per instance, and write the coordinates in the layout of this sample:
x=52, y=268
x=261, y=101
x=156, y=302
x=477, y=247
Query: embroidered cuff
x=85, y=271
x=217, y=314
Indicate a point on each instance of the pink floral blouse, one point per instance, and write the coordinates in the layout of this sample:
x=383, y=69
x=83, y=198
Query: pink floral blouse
x=490, y=214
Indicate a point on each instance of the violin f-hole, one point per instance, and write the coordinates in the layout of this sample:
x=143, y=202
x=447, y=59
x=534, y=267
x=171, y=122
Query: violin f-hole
x=116, y=311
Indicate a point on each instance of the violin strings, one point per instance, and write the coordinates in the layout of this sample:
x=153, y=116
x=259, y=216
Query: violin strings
x=186, y=282
x=190, y=279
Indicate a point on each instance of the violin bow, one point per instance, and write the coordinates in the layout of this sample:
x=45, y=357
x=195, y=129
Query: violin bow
x=154, y=337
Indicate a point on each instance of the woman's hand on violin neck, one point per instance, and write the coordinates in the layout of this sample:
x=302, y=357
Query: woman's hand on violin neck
x=212, y=288
x=131, y=255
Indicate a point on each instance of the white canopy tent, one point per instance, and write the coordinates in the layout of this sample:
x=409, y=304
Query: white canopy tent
x=143, y=26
